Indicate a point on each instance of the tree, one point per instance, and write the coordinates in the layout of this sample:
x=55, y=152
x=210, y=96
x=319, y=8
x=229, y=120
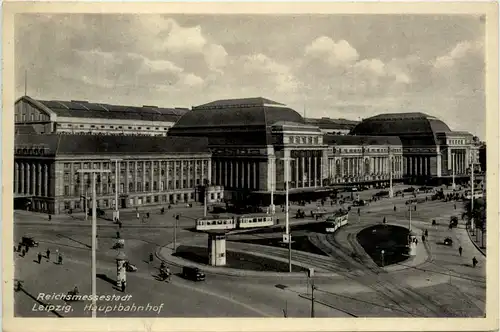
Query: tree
x=478, y=214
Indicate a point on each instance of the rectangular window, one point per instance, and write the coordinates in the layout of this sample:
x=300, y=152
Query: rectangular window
x=66, y=191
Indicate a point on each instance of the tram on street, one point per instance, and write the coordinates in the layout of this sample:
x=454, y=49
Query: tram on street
x=255, y=220
x=336, y=220
x=477, y=194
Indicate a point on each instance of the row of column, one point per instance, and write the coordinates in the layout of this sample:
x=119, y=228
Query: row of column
x=231, y=173
x=359, y=166
x=417, y=166
x=131, y=176
x=306, y=171
x=458, y=162
x=31, y=179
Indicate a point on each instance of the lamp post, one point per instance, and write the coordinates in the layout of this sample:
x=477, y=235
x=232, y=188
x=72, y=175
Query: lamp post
x=272, y=159
x=472, y=196
x=94, y=233
x=116, y=213
x=287, y=235
x=382, y=252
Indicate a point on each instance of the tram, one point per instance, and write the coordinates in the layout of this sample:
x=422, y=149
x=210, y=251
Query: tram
x=256, y=220
x=336, y=220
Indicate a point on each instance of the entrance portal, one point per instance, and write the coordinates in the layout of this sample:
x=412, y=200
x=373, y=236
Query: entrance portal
x=123, y=203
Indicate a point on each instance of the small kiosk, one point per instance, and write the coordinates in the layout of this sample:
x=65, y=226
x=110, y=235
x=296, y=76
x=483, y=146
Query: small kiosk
x=412, y=244
x=217, y=247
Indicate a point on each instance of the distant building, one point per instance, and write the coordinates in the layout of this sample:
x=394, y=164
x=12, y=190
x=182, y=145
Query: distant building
x=432, y=152
x=82, y=117
x=152, y=170
x=333, y=126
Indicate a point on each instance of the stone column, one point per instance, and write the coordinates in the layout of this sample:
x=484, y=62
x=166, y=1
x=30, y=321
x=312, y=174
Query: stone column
x=249, y=184
x=296, y=172
x=143, y=176
x=39, y=180
x=181, y=180
x=202, y=167
x=46, y=180
x=254, y=165
x=303, y=164
x=33, y=179
x=135, y=165
x=237, y=172
x=152, y=176
x=127, y=175
x=16, y=178
x=28, y=178
x=309, y=171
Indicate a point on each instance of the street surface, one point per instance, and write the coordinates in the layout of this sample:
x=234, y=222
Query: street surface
x=437, y=283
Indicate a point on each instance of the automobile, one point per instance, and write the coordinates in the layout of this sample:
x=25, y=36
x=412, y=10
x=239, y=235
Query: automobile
x=353, y=189
x=359, y=202
x=454, y=221
x=29, y=241
x=193, y=273
x=448, y=241
x=409, y=190
x=129, y=267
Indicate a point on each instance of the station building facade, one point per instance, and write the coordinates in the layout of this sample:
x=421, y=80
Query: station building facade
x=83, y=117
x=237, y=149
x=151, y=171
x=432, y=152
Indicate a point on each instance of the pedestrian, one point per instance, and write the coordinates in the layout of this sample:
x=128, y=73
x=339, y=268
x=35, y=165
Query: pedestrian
x=147, y=215
x=59, y=259
x=151, y=257
x=50, y=217
x=474, y=261
x=426, y=233
x=39, y=257
x=48, y=253
x=416, y=241
x=460, y=250
x=394, y=208
x=117, y=235
x=415, y=208
x=454, y=206
x=138, y=216
x=423, y=238
x=384, y=220
x=123, y=286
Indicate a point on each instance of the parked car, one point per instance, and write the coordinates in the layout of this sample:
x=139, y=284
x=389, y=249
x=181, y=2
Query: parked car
x=29, y=241
x=454, y=221
x=193, y=273
x=129, y=267
x=448, y=241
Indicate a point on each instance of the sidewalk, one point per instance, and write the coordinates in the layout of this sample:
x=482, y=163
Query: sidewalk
x=477, y=244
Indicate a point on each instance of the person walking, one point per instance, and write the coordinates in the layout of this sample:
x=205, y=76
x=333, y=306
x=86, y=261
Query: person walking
x=48, y=253
x=426, y=233
x=454, y=206
x=39, y=257
x=384, y=220
x=394, y=208
x=474, y=261
x=460, y=250
x=151, y=257
x=59, y=259
x=50, y=217
x=123, y=286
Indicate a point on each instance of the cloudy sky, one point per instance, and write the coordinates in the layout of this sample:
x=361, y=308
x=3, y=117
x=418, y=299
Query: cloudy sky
x=347, y=66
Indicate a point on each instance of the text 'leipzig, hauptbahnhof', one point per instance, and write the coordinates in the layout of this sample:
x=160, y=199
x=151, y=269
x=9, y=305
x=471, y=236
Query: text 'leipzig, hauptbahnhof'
x=238, y=150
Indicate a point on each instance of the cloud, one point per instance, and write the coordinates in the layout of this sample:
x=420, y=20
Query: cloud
x=279, y=75
x=460, y=51
x=191, y=80
x=335, y=53
x=215, y=56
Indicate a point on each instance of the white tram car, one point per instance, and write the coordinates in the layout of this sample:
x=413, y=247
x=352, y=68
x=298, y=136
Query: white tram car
x=237, y=222
x=335, y=221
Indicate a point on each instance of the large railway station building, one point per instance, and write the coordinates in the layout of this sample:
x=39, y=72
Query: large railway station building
x=240, y=147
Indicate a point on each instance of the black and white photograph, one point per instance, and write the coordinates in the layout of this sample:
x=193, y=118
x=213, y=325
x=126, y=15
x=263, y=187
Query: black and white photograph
x=252, y=165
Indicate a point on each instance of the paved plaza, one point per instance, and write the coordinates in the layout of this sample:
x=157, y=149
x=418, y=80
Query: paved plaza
x=426, y=285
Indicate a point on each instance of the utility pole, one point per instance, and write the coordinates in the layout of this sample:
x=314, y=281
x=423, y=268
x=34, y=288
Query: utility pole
x=273, y=181
x=116, y=213
x=391, y=190
x=175, y=234
x=286, y=236
x=472, y=196
x=94, y=234
x=25, y=82
x=312, y=298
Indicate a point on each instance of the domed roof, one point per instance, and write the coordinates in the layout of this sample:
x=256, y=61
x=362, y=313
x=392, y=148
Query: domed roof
x=248, y=112
x=400, y=124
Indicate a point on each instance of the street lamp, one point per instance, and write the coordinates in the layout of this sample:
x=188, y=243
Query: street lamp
x=273, y=182
x=94, y=233
x=382, y=252
x=287, y=235
x=116, y=213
